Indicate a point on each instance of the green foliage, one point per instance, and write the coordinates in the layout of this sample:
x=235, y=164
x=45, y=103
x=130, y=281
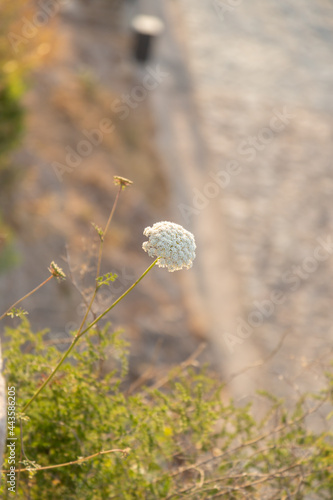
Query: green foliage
x=17, y=312
x=11, y=113
x=99, y=231
x=11, y=123
x=106, y=279
x=181, y=441
x=8, y=253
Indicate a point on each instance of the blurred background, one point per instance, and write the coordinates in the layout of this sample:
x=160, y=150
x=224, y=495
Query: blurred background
x=221, y=115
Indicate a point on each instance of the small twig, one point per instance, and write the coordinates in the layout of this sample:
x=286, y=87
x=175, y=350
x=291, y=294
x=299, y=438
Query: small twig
x=149, y=373
x=73, y=280
x=188, y=362
x=26, y=296
x=64, y=340
x=244, y=475
x=280, y=428
x=125, y=451
x=21, y=452
x=105, y=231
x=261, y=361
x=263, y=479
x=21, y=440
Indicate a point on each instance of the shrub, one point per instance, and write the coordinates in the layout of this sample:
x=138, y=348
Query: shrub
x=176, y=442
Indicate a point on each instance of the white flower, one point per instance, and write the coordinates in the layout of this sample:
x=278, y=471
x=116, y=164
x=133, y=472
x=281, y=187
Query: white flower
x=174, y=246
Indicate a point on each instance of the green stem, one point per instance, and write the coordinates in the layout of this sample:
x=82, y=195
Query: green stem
x=99, y=260
x=98, y=264
x=26, y=296
x=118, y=300
x=78, y=336
x=49, y=378
x=105, y=231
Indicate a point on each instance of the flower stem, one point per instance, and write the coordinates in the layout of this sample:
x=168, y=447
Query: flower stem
x=49, y=378
x=99, y=260
x=79, y=335
x=27, y=295
x=89, y=306
x=105, y=231
x=118, y=300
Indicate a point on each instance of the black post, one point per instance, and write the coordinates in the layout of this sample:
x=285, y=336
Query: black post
x=146, y=28
x=142, y=46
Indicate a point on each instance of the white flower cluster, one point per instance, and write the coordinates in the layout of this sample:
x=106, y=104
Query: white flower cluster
x=174, y=246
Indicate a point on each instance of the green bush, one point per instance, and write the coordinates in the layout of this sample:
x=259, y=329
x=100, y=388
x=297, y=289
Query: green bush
x=11, y=126
x=11, y=113
x=181, y=441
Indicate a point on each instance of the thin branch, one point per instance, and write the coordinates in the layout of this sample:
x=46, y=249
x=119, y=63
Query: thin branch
x=73, y=280
x=105, y=231
x=261, y=361
x=125, y=451
x=188, y=362
x=165, y=378
x=26, y=296
x=244, y=475
x=65, y=340
x=147, y=374
x=280, y=428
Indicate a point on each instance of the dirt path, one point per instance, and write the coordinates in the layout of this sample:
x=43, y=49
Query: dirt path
x=214, y=284
x=262, y=81
x=248, y=100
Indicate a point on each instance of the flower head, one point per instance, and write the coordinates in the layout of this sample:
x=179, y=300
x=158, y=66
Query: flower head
x=56, y=271
x=174, y=246
x=121, y=181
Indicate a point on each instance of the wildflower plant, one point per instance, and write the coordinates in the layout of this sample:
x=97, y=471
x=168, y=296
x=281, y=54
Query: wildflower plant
x=89, y=435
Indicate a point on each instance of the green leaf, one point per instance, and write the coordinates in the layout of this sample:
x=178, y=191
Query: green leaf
x=99, y=231
x=106, y=279
x=17, y=312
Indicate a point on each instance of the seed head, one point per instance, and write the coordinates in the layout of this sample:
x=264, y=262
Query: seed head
x=56, y=271
x=121, y=181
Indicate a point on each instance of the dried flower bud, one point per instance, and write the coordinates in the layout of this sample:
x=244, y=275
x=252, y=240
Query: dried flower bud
x=121, y=181
x=174, y=246
x=56, y=271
